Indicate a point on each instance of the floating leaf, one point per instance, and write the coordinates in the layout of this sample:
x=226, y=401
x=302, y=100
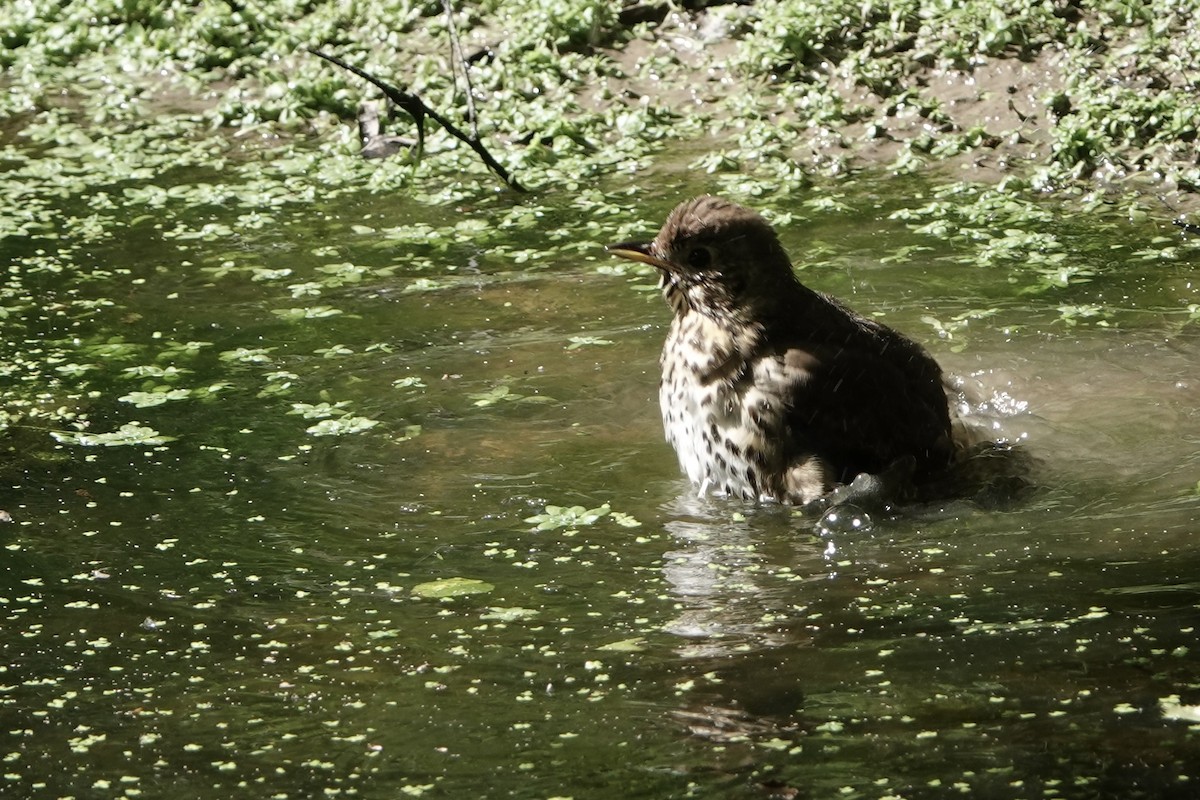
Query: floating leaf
x=128, y=434
x=342, y=426
x=175, y=350
x=493, y=396
x=334, y=351
x=264, y=274
x=513, y=614
x=157, y=397
x=308, y=289
x=634, y=645
x=1072, y=314
x=154, y=371
x=340, y=274
x=577, y=342
x=427, y=285
x=248, y=355
x=1173, y=709
x=113, y=349
x=310, y=312
x=73, y=370
x=451, y=587
x=504, y=394
x=410, y=432
x=563, y=517
x=319, y=410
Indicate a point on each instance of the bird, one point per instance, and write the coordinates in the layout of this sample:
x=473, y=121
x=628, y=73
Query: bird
x=772, y=391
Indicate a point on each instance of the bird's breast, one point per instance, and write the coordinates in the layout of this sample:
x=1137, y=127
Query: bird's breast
x=721, y=411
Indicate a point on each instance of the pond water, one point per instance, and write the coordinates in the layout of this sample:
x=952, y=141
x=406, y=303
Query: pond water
x=370, y=402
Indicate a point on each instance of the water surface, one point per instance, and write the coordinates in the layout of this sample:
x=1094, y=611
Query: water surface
x=231, y=613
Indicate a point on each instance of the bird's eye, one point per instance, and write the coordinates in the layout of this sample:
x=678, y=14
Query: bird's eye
x=699, y=258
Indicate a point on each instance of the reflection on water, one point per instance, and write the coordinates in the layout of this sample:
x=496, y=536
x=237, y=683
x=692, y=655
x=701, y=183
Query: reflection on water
x=717, y=572
x=231, y=614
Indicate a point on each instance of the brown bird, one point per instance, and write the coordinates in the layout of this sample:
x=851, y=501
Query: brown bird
x=771, y=390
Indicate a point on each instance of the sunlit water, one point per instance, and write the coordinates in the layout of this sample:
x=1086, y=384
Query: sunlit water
x=232, y=613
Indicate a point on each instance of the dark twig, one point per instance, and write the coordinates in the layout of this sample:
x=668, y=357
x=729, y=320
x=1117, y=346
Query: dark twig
x=417, y=108
x=409, y=102
x=459, y=64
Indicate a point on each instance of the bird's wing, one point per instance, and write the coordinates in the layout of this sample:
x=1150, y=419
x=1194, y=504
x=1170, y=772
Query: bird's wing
x=860, y=409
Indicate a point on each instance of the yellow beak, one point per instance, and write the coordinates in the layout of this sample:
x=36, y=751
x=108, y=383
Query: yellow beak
x=636, y=251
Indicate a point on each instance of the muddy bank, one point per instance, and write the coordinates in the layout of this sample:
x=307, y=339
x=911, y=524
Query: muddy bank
x=1094, y=101
x=1076, y=96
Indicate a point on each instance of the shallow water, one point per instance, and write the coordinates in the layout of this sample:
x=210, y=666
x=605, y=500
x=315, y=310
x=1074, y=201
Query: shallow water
x=232, y=613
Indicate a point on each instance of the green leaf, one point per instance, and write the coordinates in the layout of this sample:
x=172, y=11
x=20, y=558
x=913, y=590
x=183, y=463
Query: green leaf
x=451, y=587
x=130, y=433
x=342, y=426
x=634, y=645
x=562, y=517
x=248, y=355
x=513, y=614
x=493, y=396
x=577, y=342
x=410, y=432
x=334, y=351
x=175, y=350
x=311, y=312
x=319, y=410
x=427, y=285
x=155, y=398
x=154, y=371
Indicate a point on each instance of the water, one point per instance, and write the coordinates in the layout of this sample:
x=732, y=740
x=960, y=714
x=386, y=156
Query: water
x=232, y=613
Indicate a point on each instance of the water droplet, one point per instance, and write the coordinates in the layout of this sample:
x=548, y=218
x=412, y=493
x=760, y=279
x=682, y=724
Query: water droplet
x=847, y=518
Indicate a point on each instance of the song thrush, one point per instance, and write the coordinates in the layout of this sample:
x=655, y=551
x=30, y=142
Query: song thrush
x=771, y=390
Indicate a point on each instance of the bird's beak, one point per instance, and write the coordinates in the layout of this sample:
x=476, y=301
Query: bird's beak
x=636, y=251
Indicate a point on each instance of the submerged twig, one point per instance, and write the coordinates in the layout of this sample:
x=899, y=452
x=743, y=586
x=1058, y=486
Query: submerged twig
x=376, y=143
x=417, y=108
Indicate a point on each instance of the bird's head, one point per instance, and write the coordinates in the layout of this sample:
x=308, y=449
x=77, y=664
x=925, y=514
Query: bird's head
x=716, y=258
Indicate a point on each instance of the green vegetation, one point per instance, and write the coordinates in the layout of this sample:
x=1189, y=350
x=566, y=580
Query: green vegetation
x=325, y=476
x=1106, y=85
x=207, y=125
x=1113, y=80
